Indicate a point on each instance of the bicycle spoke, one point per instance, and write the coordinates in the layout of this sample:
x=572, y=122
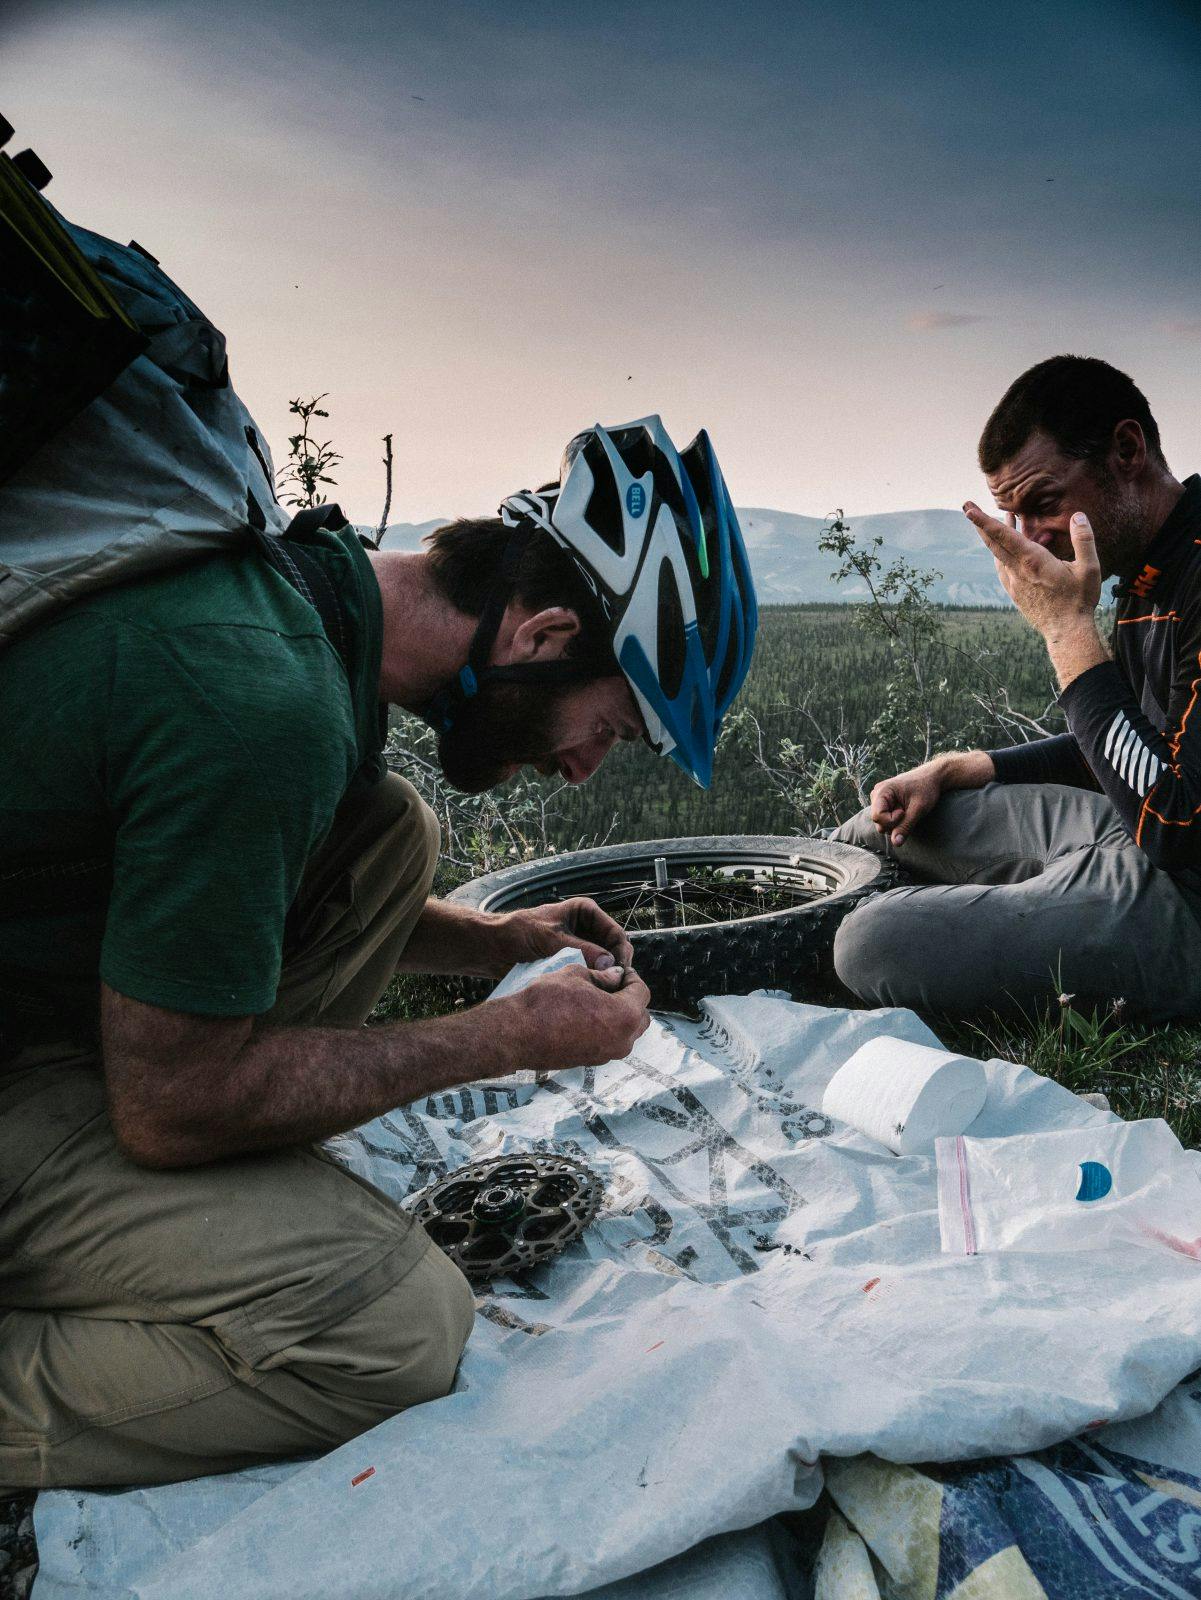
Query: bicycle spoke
x=700, y=896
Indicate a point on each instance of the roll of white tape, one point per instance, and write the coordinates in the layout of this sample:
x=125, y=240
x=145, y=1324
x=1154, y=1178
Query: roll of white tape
x=906, y=1095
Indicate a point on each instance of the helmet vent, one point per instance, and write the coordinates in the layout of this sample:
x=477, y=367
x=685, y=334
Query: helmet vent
x=671, y=632
x=733, y=656
x=604, y=506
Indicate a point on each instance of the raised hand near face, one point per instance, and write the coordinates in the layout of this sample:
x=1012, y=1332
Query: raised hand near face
x=1058, y=598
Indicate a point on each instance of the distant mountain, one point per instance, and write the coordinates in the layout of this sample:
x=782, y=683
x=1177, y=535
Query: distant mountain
x=790, y=569
x=788, y=566
x=405, y=535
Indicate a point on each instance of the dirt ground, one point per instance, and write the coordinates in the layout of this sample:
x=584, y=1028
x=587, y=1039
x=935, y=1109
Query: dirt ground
x=18, y=1547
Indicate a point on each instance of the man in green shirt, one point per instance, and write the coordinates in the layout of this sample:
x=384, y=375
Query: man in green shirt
x=207, y=879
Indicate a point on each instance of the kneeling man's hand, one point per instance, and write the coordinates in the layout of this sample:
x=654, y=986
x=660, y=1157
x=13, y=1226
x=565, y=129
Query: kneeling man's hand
x=579, y=924
x=577, y=1018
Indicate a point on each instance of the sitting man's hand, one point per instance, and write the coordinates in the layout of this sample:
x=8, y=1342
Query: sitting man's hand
x=577, y=1017
x=898, y=804
x=578, y=924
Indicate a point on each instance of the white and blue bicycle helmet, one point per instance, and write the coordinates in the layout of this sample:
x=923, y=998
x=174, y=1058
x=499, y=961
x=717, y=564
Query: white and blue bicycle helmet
x=653, y=532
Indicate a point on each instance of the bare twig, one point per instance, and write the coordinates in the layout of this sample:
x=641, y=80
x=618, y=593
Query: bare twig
x=383, y=521
x=998, y=707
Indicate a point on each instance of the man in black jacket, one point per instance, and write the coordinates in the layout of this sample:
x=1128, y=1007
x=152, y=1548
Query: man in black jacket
x=1072, y=863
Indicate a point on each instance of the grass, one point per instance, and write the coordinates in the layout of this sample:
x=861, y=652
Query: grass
x=1145, y=1071
x=413, y=996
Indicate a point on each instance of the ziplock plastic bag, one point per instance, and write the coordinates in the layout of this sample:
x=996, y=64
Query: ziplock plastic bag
x=1077, y=1189
x=526, y=972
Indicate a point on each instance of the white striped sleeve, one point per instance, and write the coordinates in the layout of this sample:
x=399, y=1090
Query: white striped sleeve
x=1135, y=763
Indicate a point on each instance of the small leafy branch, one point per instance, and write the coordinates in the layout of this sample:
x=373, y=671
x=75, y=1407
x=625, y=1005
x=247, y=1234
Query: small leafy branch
x=826, y=770
x=900, y=609
x=309, y=460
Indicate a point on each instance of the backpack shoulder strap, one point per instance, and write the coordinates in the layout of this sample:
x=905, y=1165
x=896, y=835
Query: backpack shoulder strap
x=287, y=555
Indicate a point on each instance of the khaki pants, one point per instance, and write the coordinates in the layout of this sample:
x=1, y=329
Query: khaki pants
x=157, y=1325
x=1029, y=889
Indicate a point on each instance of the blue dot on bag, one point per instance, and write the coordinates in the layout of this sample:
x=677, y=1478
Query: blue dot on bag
x=1095, y=1181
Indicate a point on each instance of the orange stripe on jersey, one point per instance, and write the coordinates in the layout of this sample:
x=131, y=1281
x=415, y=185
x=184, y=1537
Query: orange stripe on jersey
x=1152, y=616
x=1174, y=741
x=1169, y=822
x=1142, y=817
x=1145, y=581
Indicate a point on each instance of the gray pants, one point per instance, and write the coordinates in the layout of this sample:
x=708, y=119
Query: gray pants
x=1026, y=890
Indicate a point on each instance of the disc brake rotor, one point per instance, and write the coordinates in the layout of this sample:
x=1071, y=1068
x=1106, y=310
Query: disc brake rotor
x=508, y=1213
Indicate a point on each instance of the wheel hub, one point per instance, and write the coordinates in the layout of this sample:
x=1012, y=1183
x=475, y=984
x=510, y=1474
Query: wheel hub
x=500, y=1203
x=509, y=1213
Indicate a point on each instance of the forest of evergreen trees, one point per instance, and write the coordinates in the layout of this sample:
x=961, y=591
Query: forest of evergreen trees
x=817, y=657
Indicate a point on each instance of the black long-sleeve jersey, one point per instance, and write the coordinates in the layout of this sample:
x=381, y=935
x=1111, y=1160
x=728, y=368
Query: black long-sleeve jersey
x=1135, y=723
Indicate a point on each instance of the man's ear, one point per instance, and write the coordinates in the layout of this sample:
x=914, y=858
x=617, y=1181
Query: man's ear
x=536, y=636
x=1128, y=449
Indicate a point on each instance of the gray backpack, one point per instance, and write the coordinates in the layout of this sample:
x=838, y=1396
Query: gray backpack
x=151, y=461
x=164, y=464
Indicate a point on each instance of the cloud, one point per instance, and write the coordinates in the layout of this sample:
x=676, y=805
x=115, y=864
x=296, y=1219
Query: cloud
x=1187, y=327
x=931, y=321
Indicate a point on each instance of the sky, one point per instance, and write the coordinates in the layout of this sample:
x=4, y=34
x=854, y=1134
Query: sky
x=832, y=233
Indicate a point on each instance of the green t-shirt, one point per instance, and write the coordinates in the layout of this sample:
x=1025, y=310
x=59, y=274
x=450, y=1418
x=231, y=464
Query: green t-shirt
x=199, y=727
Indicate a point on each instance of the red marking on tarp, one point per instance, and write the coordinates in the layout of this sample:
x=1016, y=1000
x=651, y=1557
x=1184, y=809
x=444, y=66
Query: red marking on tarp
x=870, y=1284
x=1186, y=1247
x=362, y=1477
x=654, y=1346
x=1098, y=1422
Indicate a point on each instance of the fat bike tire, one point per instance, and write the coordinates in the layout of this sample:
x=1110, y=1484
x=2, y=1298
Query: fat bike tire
x=788, y=948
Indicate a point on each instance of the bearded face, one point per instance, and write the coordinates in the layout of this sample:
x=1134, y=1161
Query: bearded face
x=566, y=729
x=1040, y=487
x=1123, y=523
x=506, y=726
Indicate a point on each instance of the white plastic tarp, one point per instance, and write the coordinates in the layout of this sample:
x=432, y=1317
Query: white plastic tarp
x=762, y=1288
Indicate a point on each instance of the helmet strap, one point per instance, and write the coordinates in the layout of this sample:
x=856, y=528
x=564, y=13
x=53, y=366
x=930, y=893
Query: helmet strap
x=442, y=709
